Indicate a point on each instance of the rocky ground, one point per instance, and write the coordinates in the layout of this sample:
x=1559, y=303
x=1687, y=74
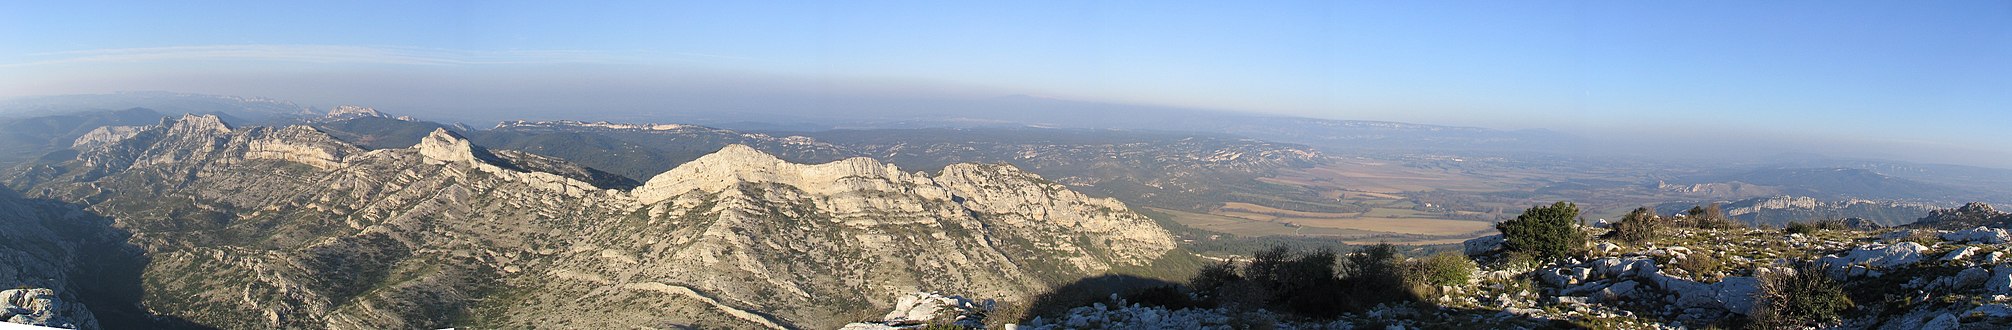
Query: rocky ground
x=1899, y=279
x=40, y=307
x=1911, y=278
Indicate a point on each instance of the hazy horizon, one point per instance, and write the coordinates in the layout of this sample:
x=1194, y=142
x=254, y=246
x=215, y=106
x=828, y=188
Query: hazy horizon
x=1845, y=79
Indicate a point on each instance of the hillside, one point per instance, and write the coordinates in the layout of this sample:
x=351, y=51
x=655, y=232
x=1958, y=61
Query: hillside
x=289, y=227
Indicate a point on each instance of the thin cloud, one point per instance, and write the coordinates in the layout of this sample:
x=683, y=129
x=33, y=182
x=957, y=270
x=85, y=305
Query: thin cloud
x=328, y=54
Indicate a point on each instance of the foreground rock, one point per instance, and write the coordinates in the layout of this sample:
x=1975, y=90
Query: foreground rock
x=37, y=307
x=922, y=309
x=1916, y=278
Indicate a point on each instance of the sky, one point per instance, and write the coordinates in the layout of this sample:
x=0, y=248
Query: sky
x=1928, y=75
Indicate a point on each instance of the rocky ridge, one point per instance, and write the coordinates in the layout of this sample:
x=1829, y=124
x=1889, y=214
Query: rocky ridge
x=308, y=231
x=1969, y=215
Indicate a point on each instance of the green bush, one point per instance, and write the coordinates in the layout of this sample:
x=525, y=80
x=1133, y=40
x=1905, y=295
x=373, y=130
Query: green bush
x=1803, y=298
x=1550, y=232
x=1447, y=269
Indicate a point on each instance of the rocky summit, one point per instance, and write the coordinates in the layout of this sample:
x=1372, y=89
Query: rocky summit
x=288, y=227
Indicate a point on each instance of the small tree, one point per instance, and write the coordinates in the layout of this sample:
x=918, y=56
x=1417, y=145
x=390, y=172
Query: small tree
x=1547, y=231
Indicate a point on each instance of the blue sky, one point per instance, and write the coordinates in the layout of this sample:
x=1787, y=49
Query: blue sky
x=1938, y=74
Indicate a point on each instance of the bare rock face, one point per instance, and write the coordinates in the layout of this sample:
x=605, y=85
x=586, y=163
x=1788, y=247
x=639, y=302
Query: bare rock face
x=287, y=228
x=37, y=307
x=922, y=308
x=346, y=112
x=444, y=147
x=105, y=135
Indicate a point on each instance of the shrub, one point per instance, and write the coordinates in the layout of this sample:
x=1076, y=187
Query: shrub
x=1211, y=280
x=1800, y=228
x=1518, y=260
x=1700, y=264
x=1806, y=228
x=1641, y=225
x=1314, y=284
x=1447, y=269
x=1710, y=217
x=1375, y=275
x=1303, y=284
x=1800, y=297
x=1163, y=296
x=1547, y=231
x=1923, y=237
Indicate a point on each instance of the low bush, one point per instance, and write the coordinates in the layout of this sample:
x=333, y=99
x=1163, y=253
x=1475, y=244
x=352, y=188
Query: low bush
x=1170, y=297
x=1800, y=297
x=1375, y=275
x=1710, y=217
x=1799, y=228
x=1806, y=228
x=1446, y=269
x=1700, y=264
x=1640, y=225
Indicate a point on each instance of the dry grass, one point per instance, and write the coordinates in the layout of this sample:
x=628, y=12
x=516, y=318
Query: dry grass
x=1388, y=178
x=1249, y=227
x=1435, y=227
x=1266, y=210
x=1399, y=221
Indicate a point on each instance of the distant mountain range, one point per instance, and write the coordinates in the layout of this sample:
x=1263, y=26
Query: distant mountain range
x=1840, y=184
x=1780, y=210
x=244, y=109
x=1023, y=110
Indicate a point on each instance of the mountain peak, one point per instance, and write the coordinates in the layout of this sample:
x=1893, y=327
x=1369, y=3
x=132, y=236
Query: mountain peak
x=444, y=145
x=193, y=123
x=736, y=164
x=742, y=152
x=353, y=111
